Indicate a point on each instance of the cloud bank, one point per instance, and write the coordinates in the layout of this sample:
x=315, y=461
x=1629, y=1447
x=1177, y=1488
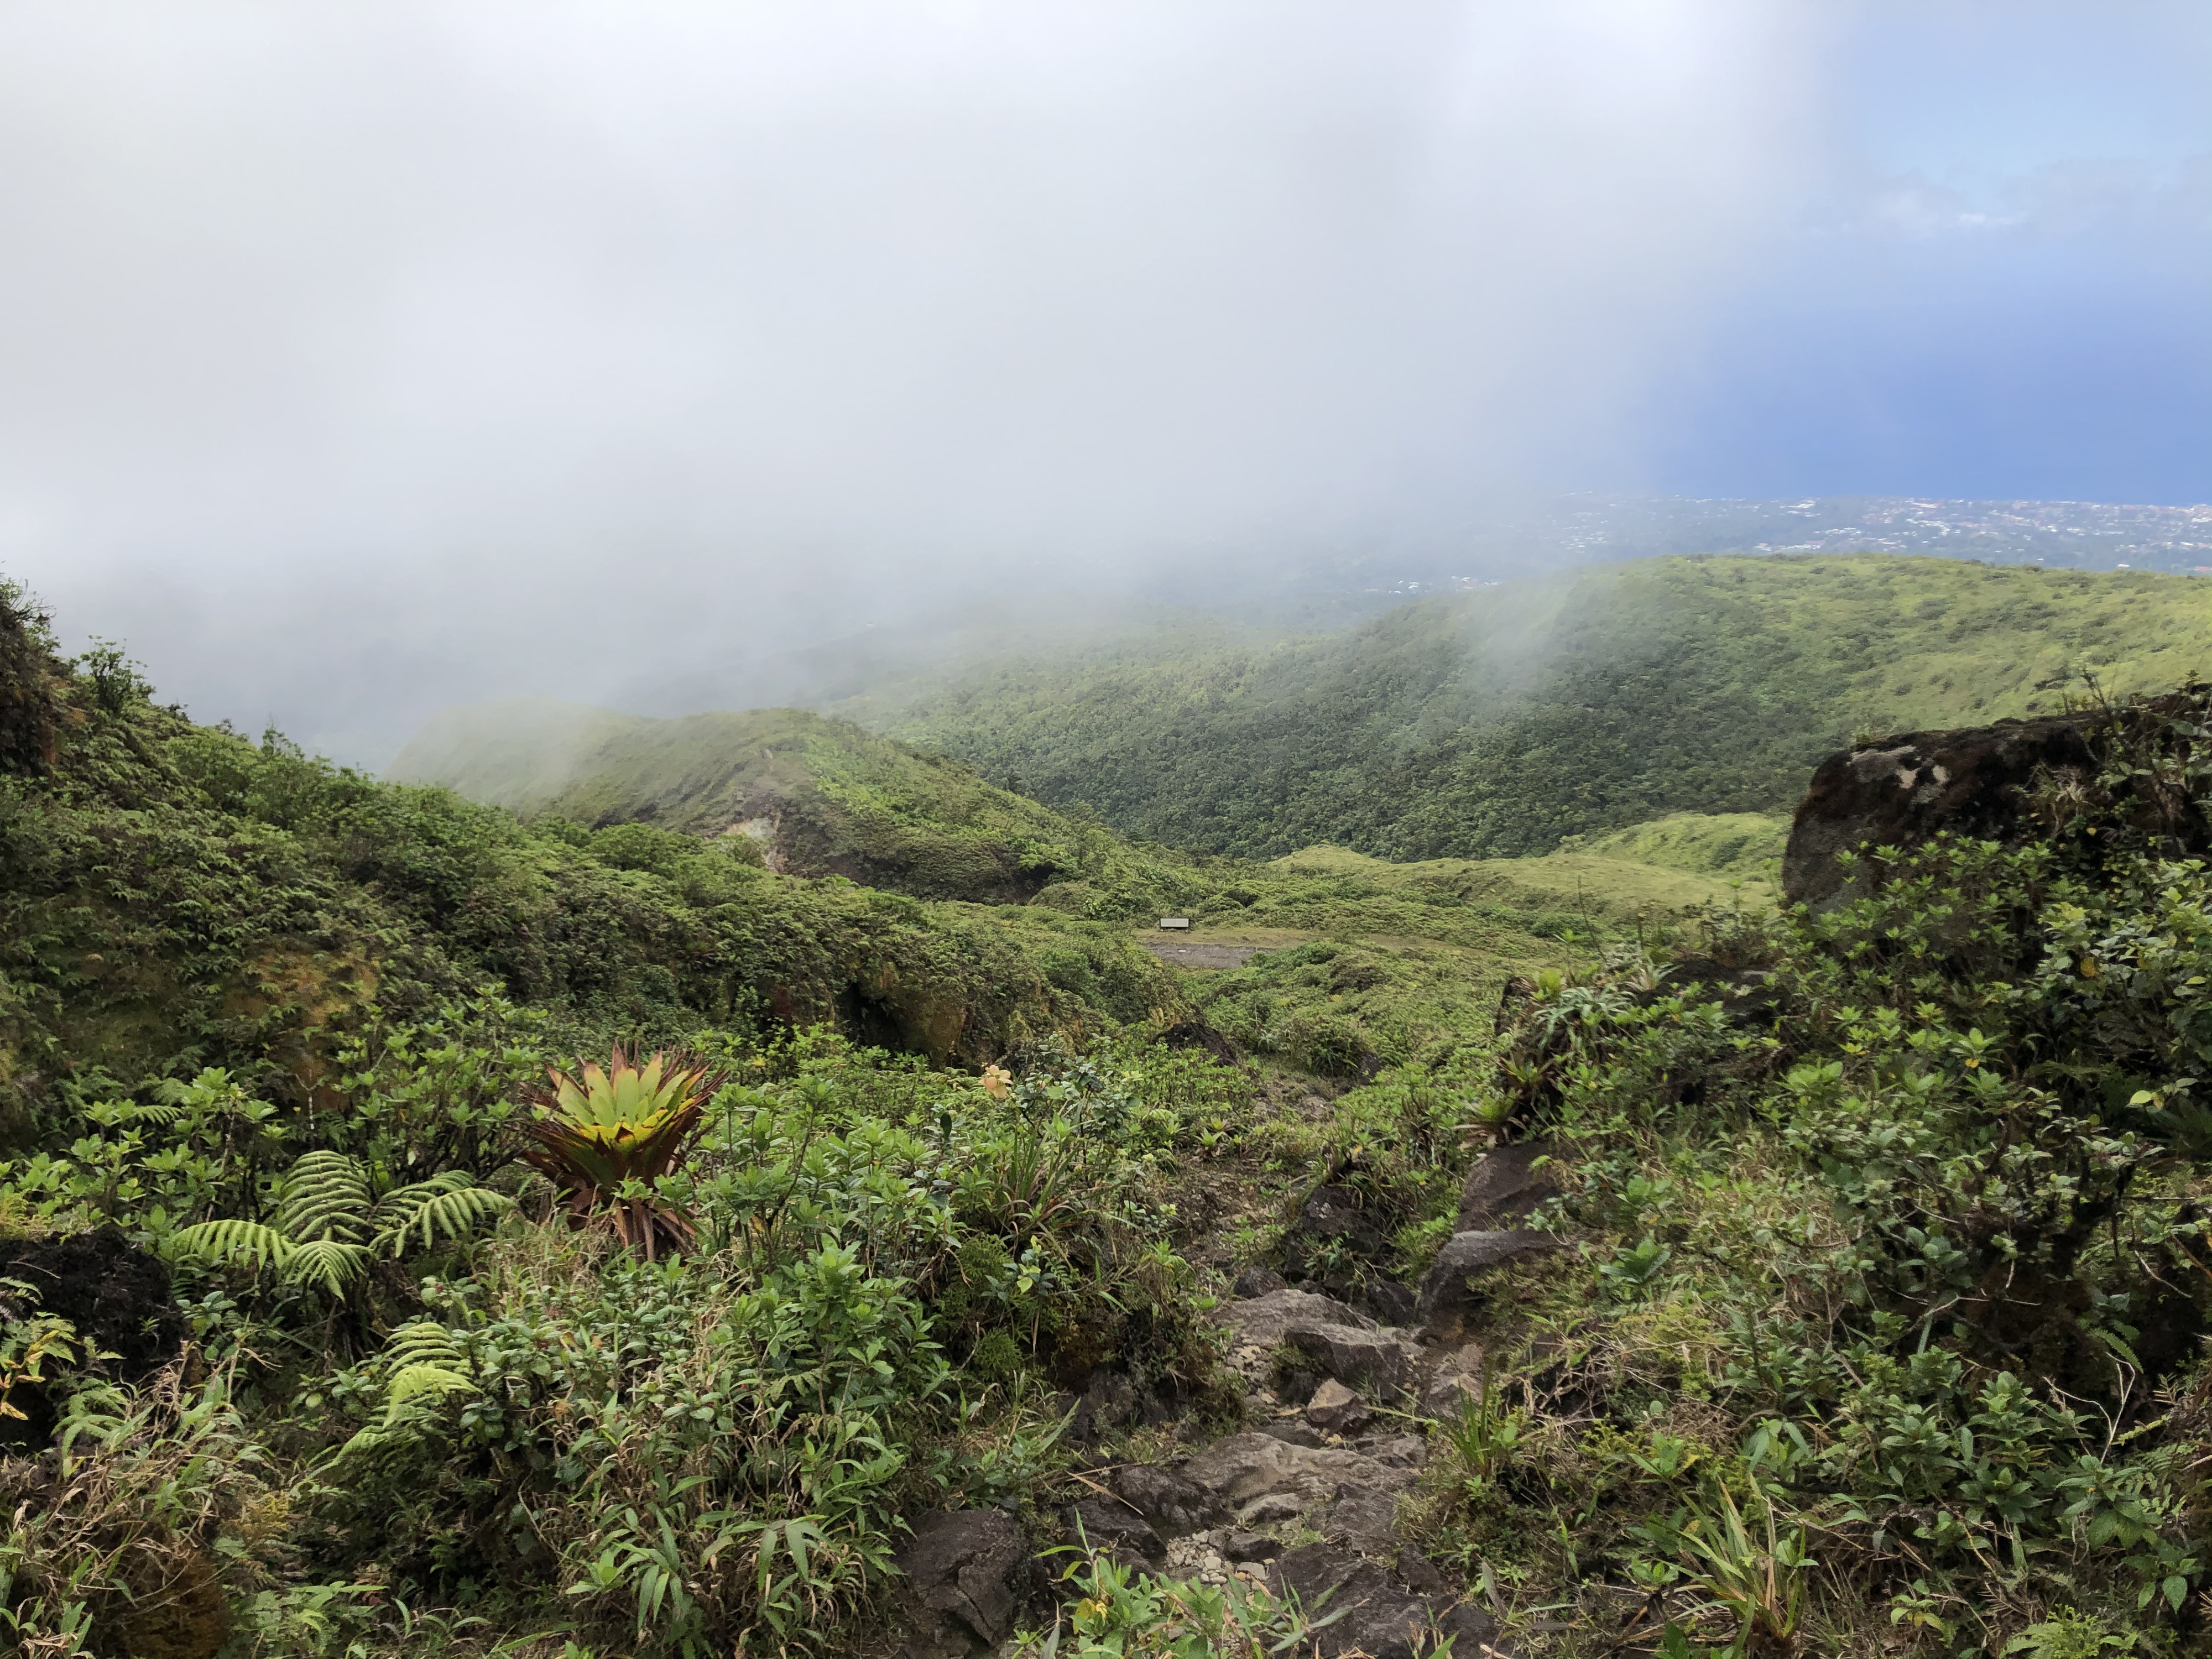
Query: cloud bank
x=360, y=358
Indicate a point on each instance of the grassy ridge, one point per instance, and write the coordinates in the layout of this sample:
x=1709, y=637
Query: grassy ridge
x=1498, y=722
x=822, y=796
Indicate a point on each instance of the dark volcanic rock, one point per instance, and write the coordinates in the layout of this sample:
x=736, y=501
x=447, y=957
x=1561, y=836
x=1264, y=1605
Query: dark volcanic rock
x=963, y=1573
x=1455, y=1383
x=1444, y=1292
x=1503, y=1187
x=1387, y=1300
x=1266, y=1319
x=1114, y=1526
x=1244, y=1468
x=1376, y=1361
x=1257, y=1281
x=1238, y=1544
x=1110, y=1401
x=1174, y=1505
x=1385, y=1614
x=1332, y=1237
x=115, y=1294
x=1363, y=1517
x=1337, y=1409
x=1902, y=791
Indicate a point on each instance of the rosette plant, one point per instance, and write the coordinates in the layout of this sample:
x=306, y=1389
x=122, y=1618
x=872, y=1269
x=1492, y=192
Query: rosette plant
x=605, y=1138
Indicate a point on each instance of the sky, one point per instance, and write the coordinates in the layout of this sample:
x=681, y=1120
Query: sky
x=359, y=359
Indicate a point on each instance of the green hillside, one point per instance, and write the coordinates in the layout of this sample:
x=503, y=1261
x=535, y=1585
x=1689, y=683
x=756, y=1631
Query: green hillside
x=1498, y=722
x=1434, y=940
x=820, y=797
x=176, y=896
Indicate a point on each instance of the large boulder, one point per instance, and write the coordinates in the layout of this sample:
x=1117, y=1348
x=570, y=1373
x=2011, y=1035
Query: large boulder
x=1174, y=1505
x=1264, y=1321
x=1335, y=1340
x=1903, y=790
x=1404, y=1611
x=1446, y=1293
x=963, y=1572
x=1378, y=1361
x=1505, y=1186
x=1115, y=1527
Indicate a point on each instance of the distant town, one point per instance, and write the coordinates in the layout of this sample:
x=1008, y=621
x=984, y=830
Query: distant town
x=1593, y=528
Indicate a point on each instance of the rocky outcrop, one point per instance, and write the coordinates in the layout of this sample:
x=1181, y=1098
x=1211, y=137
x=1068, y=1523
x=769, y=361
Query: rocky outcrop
x=1378, y=1361
x=1332, y=1340
x=963, y=1579
x=1264, y=1321
x=1456, y=1383
x=1116, y=1528
x=1173, y=1504
x=1332, y=1241
x=1336, y=1409
x=1505, y=1186
x=1257, y=1281
x=1263, y=1479
x=1903, y=790
x=1446, y=1295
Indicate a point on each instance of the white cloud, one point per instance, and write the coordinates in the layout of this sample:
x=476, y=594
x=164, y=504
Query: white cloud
x=362, y=356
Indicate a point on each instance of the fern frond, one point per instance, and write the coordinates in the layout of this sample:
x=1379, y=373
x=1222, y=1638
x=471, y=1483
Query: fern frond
x=447, y=1204
x=235, y=1243
x=424, y=1342
x=412, y=1382
x=417, y=1386
x=331, y=1263
x=326, y=1197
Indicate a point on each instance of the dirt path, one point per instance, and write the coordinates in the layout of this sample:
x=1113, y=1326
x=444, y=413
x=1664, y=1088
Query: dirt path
x=1201, y=955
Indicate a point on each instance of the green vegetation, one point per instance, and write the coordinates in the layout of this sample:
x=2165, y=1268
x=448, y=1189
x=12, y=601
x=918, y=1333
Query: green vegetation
x=347, y=1307
x=1498, y=722
x=177, y=898
x=1884, y=1326
x=820, y=797
x=1734, y=846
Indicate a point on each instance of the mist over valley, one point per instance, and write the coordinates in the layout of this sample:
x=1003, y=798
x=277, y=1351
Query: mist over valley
x=1126, y=831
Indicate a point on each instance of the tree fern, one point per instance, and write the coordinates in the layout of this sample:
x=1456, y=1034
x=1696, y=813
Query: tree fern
x=427, y=1366
x=332, y=1264
x=327, y=1196
x=424, y=1342
x=328, y=1228
x=446, y=1205
x=236, y=1243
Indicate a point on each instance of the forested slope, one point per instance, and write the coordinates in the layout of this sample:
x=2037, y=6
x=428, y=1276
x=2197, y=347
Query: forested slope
x=176, y=895
x=1496, y=722
x=819, y=796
